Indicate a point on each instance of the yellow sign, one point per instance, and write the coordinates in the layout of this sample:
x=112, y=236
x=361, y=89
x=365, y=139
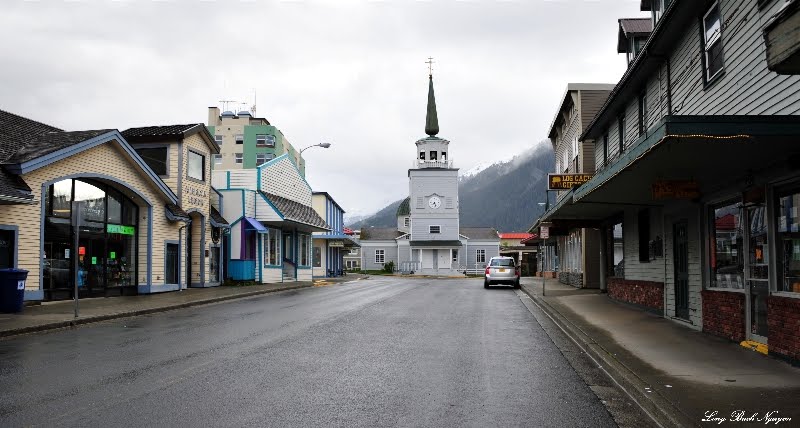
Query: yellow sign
x=676, y=189
x=566, y=181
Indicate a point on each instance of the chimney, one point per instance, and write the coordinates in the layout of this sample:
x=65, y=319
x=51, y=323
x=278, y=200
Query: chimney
x=213, y=116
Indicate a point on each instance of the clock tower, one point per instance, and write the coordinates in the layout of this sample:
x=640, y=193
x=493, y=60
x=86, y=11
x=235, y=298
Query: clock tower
x=433, y=199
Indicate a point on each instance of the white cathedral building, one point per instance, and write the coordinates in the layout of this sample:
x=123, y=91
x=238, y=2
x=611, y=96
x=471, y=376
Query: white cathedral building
x=429, y=239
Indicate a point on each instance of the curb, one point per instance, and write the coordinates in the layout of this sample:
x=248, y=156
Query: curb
x=661, y=411
x=99, y=318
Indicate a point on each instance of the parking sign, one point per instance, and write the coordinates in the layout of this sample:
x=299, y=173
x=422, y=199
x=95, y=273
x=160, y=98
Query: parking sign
x=544, y=231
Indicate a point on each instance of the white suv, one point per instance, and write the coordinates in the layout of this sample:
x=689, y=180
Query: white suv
x=501, y=270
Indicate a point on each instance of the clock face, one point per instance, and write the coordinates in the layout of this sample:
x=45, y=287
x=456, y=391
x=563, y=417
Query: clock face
x=434, y=202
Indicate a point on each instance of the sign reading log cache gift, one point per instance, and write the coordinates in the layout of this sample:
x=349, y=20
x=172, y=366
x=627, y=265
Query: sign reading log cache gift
x=566, y=181
x=676, y=189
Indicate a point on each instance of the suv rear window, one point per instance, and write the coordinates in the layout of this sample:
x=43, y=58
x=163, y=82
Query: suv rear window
x=502, y=262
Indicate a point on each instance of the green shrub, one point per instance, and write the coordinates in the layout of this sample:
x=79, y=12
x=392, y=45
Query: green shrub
x=388, y=267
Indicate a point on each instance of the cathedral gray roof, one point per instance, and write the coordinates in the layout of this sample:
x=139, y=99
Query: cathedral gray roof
x=431, y=118
x=379, y=233
x=480, y=233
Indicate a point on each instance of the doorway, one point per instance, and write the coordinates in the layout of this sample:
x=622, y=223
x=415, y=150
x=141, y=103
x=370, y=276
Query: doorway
x=681, y=265
x=757, y=270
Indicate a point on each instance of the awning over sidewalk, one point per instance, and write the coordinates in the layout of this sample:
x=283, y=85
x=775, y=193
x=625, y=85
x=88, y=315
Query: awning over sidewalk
x=348, y=240
x=713, y=151
x=255, y=224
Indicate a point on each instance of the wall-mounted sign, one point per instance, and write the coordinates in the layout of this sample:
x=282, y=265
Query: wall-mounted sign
x=335, y=243
x=566, y=181
x=544, y=232
x=122, y=230
x=676, y=189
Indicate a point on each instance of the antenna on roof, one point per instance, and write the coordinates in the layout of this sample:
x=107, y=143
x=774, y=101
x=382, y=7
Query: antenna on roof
x=225, y=104
x=253, y=108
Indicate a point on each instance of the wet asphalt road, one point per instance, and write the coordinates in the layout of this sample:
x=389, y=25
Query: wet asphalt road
x=380, y=352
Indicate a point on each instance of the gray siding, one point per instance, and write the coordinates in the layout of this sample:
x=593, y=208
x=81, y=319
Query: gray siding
x=448, y=227
x=492, y=250
x=634, y=269
x=590, y=104
x=695, y=265
x=368, y=255
x=587, y=158
x=425, y=182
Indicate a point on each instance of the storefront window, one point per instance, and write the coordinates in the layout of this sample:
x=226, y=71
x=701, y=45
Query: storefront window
x=726, y=247
x=107, y=246
x=788, y=240
x=304, y=248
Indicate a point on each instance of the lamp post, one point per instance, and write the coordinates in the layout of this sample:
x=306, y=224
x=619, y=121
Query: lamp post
x=323, y=145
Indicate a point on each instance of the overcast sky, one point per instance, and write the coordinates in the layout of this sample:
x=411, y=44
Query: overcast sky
x=351, y=73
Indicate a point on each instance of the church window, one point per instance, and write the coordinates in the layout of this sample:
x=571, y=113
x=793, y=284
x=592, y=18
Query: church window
x=406, y=221
x=434, y=229
x=448, y=203
x=380, y=256
x=421, y=155
x=419, y=202
x=444, y=156
x=480, y=256
x=433, y=155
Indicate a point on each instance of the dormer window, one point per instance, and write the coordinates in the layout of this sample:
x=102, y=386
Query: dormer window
x=658, y=7
x=422, y=156
x=433, y=155
x=636, y=46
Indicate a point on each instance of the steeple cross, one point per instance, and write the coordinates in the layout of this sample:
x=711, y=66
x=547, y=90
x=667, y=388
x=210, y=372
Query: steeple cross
x=430, y=65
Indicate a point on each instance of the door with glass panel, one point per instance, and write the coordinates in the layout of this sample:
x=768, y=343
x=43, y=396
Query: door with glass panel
x=757, y=269
x=681, y=266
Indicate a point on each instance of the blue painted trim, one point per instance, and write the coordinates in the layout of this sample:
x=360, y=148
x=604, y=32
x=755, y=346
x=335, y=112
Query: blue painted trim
x=66, y=152
x=280, y=214
x=260, y=259
x=149, y=246
x=228, y=182
x=34, y=295
x=302, y=267
x=157, y=288
x=15, y=228
x=244, y=210
x=258, y=179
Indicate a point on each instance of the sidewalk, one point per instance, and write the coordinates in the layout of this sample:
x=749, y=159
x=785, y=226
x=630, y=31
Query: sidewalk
x=677, y=374
x=60, y=314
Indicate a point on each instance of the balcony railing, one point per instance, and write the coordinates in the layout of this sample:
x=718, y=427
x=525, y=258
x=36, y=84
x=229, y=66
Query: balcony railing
x=419, y=163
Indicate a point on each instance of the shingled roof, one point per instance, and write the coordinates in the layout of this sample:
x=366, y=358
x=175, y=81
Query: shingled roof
x=379, y=233
x=480, y=233
x=169, y=132
x=405, y=207
x=629, y=27
x=295, y=211
x=217, y=219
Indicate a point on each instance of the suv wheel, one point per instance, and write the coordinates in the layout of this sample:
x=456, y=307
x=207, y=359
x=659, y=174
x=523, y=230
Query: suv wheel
x=485, y=284
x=516, y=284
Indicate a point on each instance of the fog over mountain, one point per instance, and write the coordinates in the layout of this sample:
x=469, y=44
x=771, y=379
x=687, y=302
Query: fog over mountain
x=504, y=195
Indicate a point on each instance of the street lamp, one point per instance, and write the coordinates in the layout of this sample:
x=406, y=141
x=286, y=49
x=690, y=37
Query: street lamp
x=323, y=145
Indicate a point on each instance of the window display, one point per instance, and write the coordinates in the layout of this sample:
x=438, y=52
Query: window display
x=788, y=241
x=727, y=267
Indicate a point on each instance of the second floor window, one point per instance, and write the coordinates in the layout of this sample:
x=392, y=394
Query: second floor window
x=261, y=158
x=712, y=43
x=197, y=166
x=156, y=158
x=218, y=139
x=264, y=140
x=239, y=157
x=575, y=152
x=217, y=159
x=239, y=139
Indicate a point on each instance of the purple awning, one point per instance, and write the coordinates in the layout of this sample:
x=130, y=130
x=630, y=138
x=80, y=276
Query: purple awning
x=255, y=224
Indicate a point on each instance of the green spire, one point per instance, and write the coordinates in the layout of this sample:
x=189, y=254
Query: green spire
x=431, y=120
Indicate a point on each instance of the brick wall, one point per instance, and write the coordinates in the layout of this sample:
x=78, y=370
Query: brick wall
x=649, y=294
x=723, y=314
x=783, y=319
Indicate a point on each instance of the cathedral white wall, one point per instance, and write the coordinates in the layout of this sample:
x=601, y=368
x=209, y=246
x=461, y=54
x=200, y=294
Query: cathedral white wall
x=425, y=183
x=492, y=249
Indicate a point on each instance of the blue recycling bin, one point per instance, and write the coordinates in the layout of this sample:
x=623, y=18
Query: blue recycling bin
x=12, y=290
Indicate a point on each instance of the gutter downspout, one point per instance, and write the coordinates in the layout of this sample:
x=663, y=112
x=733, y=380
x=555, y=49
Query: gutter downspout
x=180, y=252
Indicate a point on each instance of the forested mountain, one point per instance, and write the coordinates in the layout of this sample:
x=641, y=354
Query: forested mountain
x=504, y=195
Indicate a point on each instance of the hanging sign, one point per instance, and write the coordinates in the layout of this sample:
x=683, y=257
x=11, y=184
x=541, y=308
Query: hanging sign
x=566, y=181
x=94, y=260
x=676, y=189
x=113, y=255
x=81, y=251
